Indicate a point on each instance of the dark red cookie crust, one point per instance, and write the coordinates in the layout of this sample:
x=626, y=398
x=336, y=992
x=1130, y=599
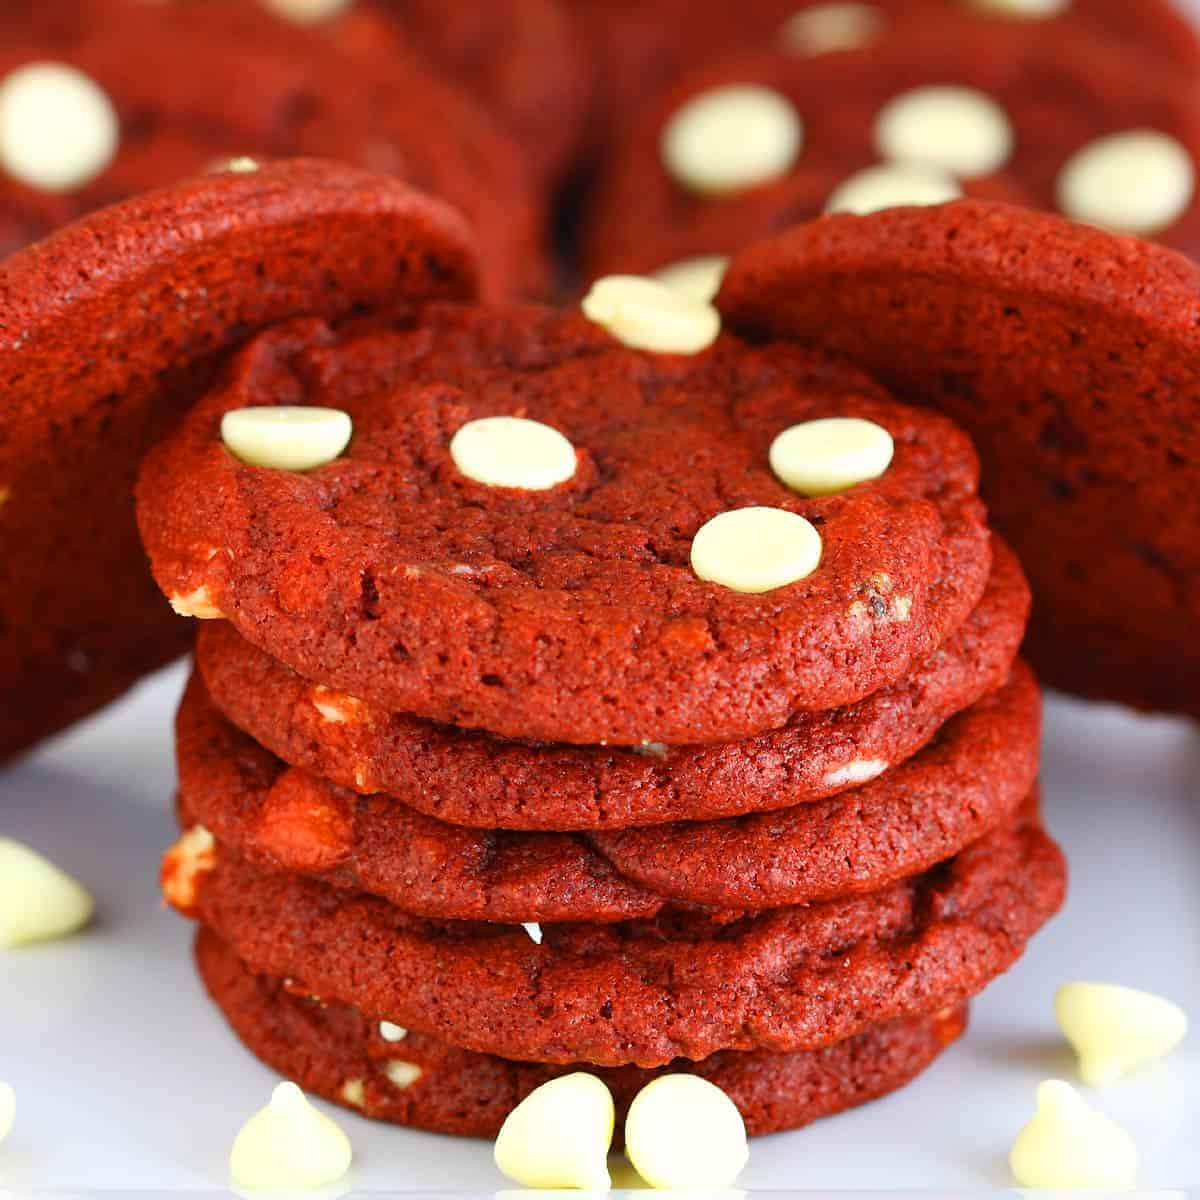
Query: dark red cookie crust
x=570, y=615
x=493, y=783
x=1056, y=102
x=646, y=992
x=151, y=295
x=1071, y=356
x=922, y=812
x=324, y=1046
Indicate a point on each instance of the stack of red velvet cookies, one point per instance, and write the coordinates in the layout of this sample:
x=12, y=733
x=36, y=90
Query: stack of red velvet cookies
x=554, y=709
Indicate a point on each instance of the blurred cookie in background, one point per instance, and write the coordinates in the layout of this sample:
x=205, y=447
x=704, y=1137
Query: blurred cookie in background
x=757, y=143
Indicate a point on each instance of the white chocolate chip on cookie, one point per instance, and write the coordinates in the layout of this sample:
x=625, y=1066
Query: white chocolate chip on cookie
x=819, y=458
x=534, y=930
x=948, y=128
x=647, y=314
x=306, y=12
x=38, y=901
x=1139, y=182
x=1116, y=1029
x=58, y=128
x=683, y=1132
x=858, y=770
x=732, y=138
x=1022, y=8
x=239, y=164
x=289, y=1147
x=402, y=1074
x=338, y=708
x=697, y=279
x=824, y=28
x=392, y=1033
x=513, y=452
x=1071, y=1146
x=756, y=550
x=559, y=1135
x=893, y=185
x=193, y=855
x=197, y=603
x=286, y=437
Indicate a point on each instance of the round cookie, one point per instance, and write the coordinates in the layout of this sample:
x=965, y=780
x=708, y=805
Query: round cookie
x=642, y=46
x=920, y=813
x=642, y=992
x=232, y=83
x=570, y=614
x=334, y=1051
x=493, y=783
x=1047, y=108
x=149, y=295
x=1070, y=355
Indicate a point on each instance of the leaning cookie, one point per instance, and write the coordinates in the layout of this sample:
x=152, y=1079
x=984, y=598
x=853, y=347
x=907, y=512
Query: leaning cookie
x=746, y=147
x=411, y=1079
x=1074, y=359
x=602, y=593
x=646, y=992
x=151, y=293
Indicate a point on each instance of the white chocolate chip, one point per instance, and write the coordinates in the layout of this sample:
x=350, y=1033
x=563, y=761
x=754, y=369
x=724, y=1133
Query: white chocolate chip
x=286, y=437
x=197, y=603
x=893, y=185
x=949, y=128
x=338, y=708
x=900, y=610
x=402, y=1074
x=193, y=855
x=354, y=1093
x=646, y=314
x=58, y=128
x=8, y=1110
x=392, y=1033
x=307, y=11
x=534, y=930
x=1070, y=1146
x=756, y=550
x=824, y=28
x=1116, y=1029
x=818, y=458
x=684, y=1132
x=559, y=1135
x=697, y=279
x=512, y=452
x=858, y=770
x=289, y=1147
x=239, y=164
x=1022, y=8
x=38, y=901
x=732, y=138
x=1139, y=182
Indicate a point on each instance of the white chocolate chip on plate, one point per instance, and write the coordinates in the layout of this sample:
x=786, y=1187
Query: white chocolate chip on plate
x=307, y=11
x=58, y=128
x=1116, y=1029
x=1022, y=8
x=893, y=185
x=756, y=550
x=732, y=138
x=286, y=437
x=1140, y=181
x=38, y=901
x=1070, y=1146
x=647, y=314
x=696, y=278
x=513, y=452
x=819, y=458
x=949, y=128
x=8, y=1110
x=683, y=1132
x=559, y=1135
x=824, y=28
x=289, y=1146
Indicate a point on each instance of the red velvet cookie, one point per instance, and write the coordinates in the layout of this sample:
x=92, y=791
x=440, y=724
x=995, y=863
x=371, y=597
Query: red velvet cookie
x=1077, y=132
x=150, y=295
x=487, y=782
x=921, y=812
x=1071, y=356
x=336, y=1052
x=571, y=613
x=642, y=992
x=229, y=81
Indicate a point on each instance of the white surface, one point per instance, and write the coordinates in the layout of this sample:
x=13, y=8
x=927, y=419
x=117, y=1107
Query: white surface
x=127, y=1078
